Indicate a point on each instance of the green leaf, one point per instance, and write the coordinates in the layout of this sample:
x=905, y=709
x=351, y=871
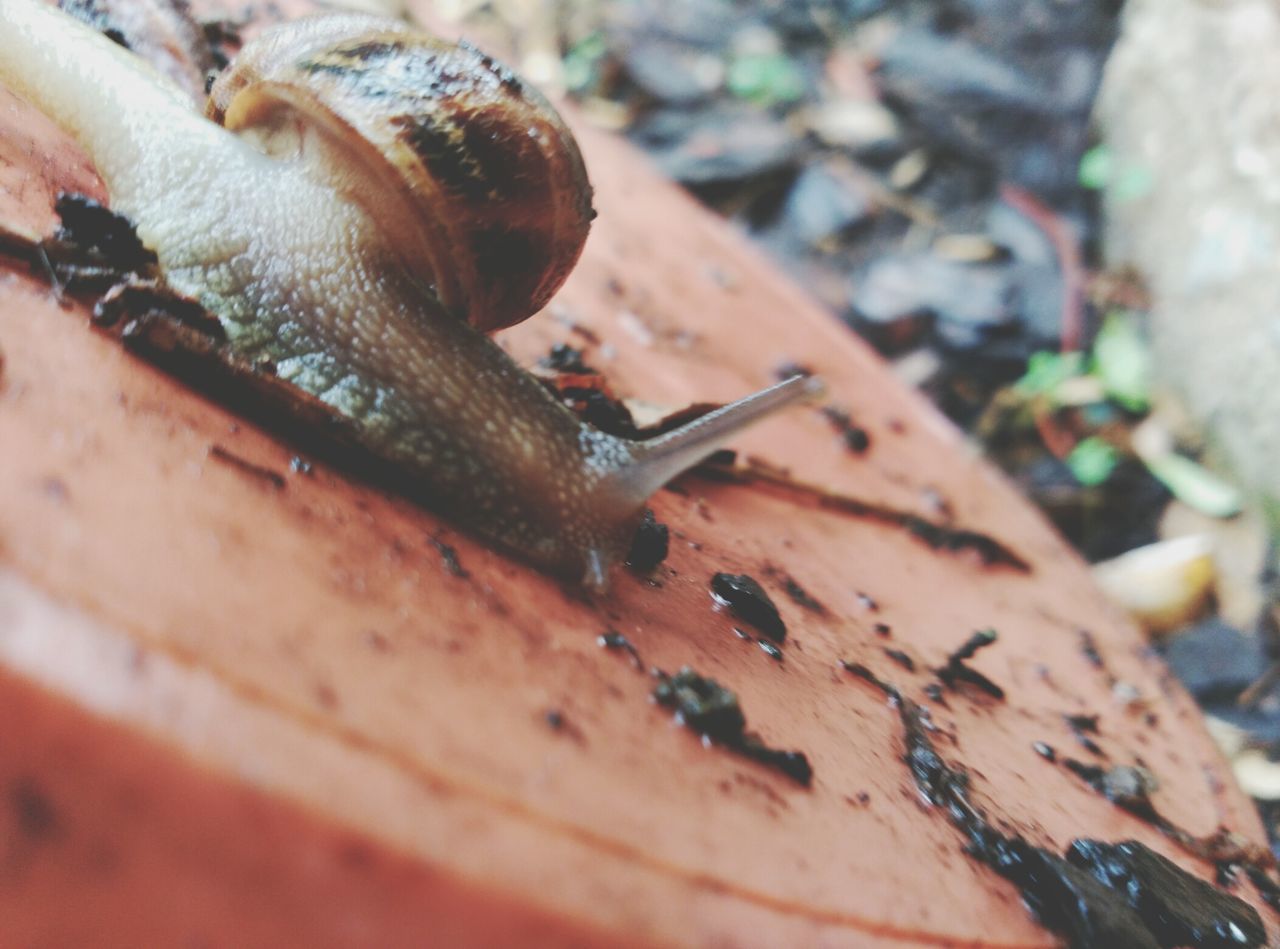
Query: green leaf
x=1122, y=360
x=1092, y=461
x=769, y=79
x=582, y=62
x=1195, y=486
x=1095, y=168
x=1047, y=370
x=1099, y=169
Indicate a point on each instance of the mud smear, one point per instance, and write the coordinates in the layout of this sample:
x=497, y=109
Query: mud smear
x=938, y=536
x=796, y=593
x=33, y=811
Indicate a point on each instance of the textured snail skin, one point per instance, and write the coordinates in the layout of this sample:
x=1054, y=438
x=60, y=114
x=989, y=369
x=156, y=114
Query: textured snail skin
x=309, y=280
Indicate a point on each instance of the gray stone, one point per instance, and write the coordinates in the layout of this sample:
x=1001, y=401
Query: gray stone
x=1193, y=125
x=1216, y=662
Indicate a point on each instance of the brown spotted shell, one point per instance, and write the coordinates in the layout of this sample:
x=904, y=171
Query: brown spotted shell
x=472, y=175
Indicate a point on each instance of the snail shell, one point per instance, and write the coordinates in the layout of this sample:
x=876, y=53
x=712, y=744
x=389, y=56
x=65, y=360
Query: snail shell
x=474, y=176
x=308, y=260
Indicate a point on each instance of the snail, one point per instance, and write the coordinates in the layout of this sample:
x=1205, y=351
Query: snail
x=162, y=32
x=361, y=204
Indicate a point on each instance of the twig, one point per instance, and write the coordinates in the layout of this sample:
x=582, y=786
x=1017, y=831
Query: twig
x=1070, y=264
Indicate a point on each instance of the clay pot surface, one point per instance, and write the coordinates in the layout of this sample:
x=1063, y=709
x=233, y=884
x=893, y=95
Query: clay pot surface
x=260, y=706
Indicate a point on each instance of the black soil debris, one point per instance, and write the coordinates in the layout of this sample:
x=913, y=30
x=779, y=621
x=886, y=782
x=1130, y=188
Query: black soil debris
x=271, y=478
x=853, y=436
x=597, y=407
x=702, y=704
x=1130, y=787
x=746, y=599
x=1082, y=726
x=613, y=640
x=449, y=557
x=650, y=545
x=1126, y=786
x=794, y=764
x=585, y=391
x=559, y=722
x=705, y=706
x=1179, y=909
x=140, y=299
x=1096, y=896
x=94, y=247
x=901, y=658
x=1089, y=649
x=862, y=671
x=956, y=671
x=564, y=358
x=1267, y=887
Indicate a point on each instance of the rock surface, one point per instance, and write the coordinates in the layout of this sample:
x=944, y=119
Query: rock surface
x=1190, y=114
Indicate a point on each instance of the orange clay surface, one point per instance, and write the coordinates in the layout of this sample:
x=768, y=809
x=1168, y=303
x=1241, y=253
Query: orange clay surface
x=254, y=711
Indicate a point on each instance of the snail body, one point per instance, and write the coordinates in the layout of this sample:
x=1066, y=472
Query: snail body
x=390, y=198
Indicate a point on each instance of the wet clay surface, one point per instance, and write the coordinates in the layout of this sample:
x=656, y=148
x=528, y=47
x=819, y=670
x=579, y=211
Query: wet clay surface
x=307, y=635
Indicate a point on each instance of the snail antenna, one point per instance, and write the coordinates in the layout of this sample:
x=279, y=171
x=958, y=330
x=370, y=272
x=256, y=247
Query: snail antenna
x=660, y=459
